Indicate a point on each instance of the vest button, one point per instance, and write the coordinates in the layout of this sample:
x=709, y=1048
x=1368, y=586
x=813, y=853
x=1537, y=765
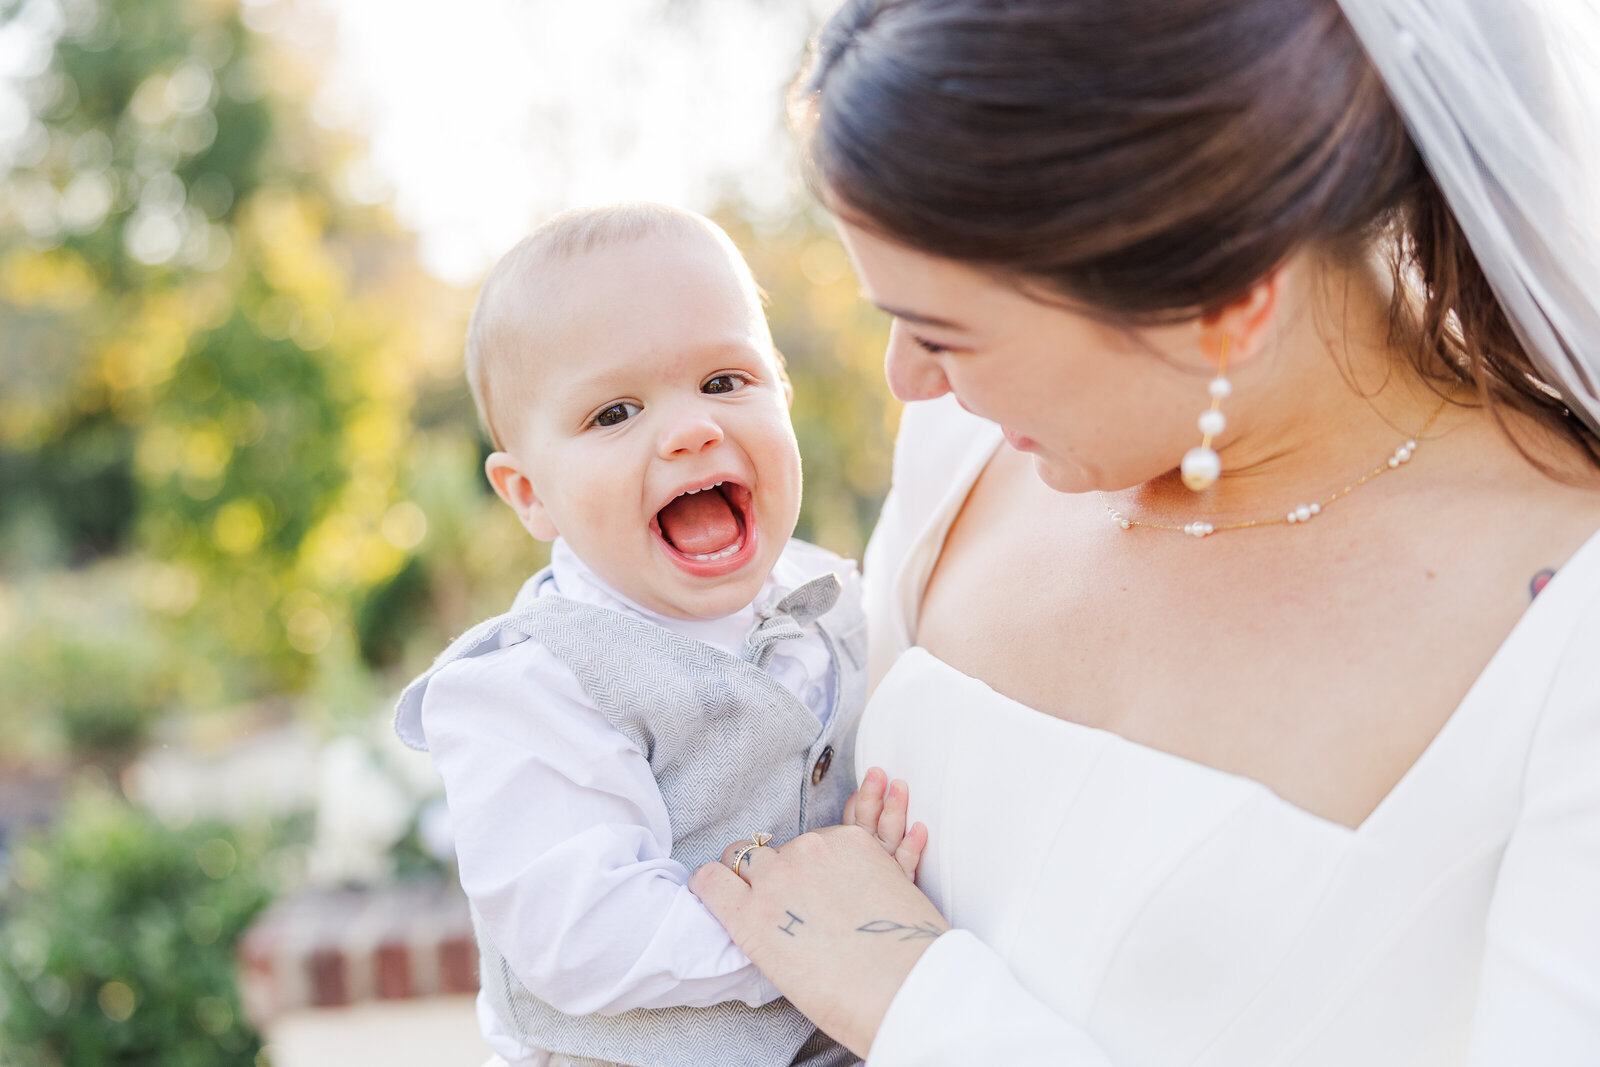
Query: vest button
x=824, y=761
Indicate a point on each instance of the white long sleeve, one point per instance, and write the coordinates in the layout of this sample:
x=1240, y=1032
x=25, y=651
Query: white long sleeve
x=564, y=844
x=1539, y=994
x=960, y=1005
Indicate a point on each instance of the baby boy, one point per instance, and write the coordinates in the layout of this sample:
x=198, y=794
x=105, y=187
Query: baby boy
x=681, y=676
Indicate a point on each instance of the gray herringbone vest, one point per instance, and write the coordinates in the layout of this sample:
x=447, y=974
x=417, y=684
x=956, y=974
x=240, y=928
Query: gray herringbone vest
x=733, y=752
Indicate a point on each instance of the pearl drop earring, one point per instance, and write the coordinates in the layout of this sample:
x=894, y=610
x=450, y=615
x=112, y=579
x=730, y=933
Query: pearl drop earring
x=1201, y=465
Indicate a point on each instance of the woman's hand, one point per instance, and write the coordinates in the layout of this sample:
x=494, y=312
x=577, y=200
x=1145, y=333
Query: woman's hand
x=831, y=918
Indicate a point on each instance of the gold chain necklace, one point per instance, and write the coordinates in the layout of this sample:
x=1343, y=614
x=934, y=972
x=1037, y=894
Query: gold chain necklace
x=1303, y=513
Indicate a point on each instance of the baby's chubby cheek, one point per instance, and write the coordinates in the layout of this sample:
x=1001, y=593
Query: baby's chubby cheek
x=782, y=481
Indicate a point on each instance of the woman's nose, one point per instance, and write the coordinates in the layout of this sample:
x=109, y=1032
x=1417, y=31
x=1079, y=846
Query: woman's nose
x=690, y=432
x=913, y=373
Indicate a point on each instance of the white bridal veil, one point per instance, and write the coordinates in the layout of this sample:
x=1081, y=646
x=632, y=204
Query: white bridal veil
x=1502, y=97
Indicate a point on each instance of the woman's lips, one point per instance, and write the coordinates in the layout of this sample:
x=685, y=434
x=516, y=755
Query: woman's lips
x=1013, y=438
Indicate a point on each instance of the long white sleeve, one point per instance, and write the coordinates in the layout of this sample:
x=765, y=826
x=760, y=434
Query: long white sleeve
x=564, y=844
x=960, y=1005
x=1539, y=993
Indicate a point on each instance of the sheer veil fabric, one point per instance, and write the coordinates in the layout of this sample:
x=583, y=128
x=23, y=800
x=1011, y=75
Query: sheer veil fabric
x=1502, y=98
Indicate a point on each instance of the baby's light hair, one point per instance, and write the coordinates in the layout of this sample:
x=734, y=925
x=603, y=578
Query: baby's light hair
x=511, y=295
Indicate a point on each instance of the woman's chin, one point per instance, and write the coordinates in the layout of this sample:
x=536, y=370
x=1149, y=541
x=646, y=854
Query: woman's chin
x=1062, y=477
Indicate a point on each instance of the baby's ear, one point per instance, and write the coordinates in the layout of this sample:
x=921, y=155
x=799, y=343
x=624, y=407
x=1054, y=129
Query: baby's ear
x=516, y=489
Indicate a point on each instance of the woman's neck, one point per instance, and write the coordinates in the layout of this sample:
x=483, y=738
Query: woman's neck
x=1330, y=399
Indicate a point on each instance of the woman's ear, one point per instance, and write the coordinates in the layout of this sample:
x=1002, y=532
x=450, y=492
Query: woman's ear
x=516, y=489
x=1244, y=322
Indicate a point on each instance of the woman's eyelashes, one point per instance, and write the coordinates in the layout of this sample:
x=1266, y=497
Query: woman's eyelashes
x=929, y=347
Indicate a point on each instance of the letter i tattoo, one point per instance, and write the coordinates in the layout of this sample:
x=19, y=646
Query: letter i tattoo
x=793, y=918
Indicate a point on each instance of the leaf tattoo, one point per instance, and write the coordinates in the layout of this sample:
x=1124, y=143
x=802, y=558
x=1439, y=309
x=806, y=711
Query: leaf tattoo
x=908, y=933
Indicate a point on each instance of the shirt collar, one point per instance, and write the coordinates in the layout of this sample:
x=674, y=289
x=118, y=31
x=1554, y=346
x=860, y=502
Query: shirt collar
x=576, y=581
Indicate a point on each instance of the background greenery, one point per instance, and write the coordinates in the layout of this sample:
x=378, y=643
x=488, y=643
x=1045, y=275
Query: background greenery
x=116, y=942
x=240, y=482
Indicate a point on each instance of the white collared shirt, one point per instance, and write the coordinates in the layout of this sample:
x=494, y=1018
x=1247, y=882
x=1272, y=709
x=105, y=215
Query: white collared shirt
x=563, y=840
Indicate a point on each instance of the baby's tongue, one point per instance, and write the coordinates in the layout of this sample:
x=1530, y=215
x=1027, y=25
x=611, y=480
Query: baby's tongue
x=700, y=523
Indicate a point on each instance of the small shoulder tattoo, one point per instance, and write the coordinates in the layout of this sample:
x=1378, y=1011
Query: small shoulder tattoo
x=1540, y=580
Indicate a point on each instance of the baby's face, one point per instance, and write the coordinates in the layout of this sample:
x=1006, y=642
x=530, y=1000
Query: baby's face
x=657, y=438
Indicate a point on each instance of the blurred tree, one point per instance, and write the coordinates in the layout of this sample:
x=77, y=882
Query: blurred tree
x=211, y=353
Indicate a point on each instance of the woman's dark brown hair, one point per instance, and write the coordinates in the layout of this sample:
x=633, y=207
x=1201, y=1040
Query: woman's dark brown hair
x=1147, y=159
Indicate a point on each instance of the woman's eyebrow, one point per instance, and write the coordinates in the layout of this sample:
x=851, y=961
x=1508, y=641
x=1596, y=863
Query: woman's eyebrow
x=920, y=320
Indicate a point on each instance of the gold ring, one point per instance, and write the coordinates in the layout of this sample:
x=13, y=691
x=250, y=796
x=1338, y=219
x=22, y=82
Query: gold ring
x=757, y=840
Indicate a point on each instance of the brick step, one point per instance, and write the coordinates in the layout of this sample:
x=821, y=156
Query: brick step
x=330, y=948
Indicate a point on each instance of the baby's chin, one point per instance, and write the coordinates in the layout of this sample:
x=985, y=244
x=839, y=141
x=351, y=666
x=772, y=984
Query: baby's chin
x=718, y=599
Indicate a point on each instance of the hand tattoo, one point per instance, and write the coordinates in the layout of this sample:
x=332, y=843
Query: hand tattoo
x=908, y=933
x=793, y=918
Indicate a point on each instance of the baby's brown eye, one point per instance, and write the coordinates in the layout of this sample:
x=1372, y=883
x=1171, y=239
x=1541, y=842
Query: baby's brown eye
x=722, y=383
x=616, y=413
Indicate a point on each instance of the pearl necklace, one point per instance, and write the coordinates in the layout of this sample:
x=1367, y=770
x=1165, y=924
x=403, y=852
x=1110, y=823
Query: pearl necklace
x=1296, y=516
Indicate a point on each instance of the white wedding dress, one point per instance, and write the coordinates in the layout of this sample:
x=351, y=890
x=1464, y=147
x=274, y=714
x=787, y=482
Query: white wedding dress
x=1115, y=906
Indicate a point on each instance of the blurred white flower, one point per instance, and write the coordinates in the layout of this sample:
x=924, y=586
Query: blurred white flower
x=362, y=811
x=412, y=769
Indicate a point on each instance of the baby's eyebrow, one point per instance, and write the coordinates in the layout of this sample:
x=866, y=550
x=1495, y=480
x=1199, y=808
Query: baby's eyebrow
x=577, y=395
x=580, y=389
x=582, y=382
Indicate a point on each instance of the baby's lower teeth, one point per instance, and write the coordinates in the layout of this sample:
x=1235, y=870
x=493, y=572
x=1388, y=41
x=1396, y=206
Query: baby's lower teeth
x=707, y=557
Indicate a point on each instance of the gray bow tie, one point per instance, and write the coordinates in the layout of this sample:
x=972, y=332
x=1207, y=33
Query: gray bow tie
x=790, y=616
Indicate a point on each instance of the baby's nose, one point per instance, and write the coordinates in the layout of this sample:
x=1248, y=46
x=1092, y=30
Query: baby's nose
x=689, y=434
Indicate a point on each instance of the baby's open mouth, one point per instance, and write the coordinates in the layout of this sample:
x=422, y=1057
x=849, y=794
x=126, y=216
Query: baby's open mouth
x=707, y=525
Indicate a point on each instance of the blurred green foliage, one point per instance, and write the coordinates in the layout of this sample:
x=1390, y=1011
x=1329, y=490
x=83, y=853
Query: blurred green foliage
x=204, y=365
x=117, y=942
x=106, y=689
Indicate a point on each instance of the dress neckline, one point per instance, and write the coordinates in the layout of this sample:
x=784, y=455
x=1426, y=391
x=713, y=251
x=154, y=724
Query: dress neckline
x=928, y=544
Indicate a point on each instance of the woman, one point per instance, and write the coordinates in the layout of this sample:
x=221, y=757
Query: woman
x=1274, y=767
